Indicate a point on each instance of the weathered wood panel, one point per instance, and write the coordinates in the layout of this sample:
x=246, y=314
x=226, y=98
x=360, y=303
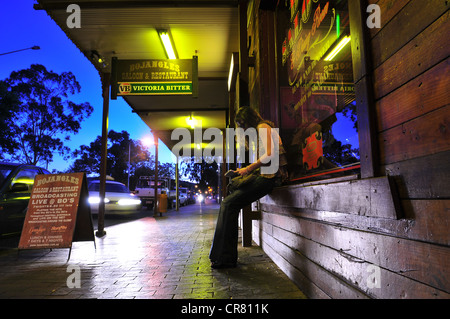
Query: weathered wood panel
x=417, y=56
x=297, y=273
x=428, y=134
x=425, y=177
x=268, y=76
x=368, y=144
x=362, y=77
x=321, y=278
x=354, y=279
x=428, y=220
x=407, y=24
x=389, y=9
x=374, y=197
x=415, y=260
x=421, y=95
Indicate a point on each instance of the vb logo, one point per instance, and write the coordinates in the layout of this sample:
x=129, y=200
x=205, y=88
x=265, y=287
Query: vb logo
x=124, y=88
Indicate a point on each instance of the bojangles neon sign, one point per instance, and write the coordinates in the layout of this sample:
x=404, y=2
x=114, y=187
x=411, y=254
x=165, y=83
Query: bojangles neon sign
x=154, y=77
x=319, y=16
x=307, y=37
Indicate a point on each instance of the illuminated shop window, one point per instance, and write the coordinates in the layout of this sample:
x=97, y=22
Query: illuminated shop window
x=317, y=98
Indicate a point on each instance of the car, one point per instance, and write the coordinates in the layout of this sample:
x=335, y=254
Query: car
x=182, y=196
x=200, y=198
x=119, y=200
x=16, y=183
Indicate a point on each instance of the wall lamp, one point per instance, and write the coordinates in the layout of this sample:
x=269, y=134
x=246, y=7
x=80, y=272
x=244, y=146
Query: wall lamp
x=191, y=121
x=167, y=42
x=338, y=48
x=234, y=68
x=98, y=58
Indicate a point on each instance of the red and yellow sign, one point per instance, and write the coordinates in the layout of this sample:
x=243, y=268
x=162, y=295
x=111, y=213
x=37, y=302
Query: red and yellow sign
x=57, y=212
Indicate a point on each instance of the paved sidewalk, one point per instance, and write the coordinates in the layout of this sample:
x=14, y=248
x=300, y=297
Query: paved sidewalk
x=149, y=257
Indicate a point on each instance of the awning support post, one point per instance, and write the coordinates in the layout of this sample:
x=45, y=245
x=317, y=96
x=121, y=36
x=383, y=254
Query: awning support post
x=105, y=77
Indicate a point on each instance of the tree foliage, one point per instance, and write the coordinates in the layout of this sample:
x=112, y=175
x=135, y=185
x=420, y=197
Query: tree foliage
x=121, y=151
x=201, y=172
x=9, y=105
x=39, y=112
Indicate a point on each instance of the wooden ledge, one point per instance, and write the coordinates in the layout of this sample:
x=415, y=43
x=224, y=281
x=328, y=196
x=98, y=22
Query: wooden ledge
x=371, y=197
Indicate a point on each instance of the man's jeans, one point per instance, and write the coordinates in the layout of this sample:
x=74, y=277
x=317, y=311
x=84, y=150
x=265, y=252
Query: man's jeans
x=224, y=247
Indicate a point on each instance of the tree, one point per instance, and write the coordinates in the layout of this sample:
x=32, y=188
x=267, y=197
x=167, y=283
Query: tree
x=43, y=115
x=119, y=146
x=203, y=173
x=9, y=105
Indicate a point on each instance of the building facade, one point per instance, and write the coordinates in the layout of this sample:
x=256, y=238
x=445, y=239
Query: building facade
x=366, y=130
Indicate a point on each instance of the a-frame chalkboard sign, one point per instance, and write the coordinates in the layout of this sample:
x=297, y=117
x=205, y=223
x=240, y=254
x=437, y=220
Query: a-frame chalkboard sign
x=58, y=213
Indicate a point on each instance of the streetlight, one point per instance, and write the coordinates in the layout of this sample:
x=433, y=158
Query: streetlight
x=35, y=47
x=146, y=141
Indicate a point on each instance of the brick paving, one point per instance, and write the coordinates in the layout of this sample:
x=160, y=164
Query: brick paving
x=144, y=258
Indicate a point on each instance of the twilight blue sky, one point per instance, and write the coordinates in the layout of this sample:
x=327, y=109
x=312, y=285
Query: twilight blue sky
x=23, y=27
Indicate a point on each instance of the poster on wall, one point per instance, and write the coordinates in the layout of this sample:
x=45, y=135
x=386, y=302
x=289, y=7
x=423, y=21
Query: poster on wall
x=318, y=101
x=58, y=213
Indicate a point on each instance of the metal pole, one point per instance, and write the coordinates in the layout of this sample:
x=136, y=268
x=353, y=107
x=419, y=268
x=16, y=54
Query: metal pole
x=177, y=183
x=129, y=163
x=155, y=207
x=105, y=77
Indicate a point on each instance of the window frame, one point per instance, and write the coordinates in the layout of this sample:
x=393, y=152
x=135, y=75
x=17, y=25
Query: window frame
x=363, y=86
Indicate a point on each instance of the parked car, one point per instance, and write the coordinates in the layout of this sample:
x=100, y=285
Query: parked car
x=16, y=183
x=182, y=196
x=119, y=199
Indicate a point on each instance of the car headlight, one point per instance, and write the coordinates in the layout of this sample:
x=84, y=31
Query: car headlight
x=124, y=202
x=96, y=200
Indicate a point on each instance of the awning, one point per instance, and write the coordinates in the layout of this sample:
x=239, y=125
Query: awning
x=128, y=30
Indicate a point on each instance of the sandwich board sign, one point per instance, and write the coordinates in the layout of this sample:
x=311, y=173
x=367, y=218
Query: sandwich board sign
x=58, y=213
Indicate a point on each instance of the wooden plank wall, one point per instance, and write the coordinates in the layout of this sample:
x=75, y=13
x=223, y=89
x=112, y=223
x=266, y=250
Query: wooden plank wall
x=335, y=254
